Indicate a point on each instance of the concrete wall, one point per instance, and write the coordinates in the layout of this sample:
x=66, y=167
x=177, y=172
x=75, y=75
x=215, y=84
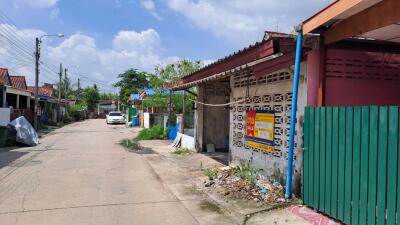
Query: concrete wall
x=212, y=123
x=199, y=119
x=4, y=116
x=146, y=120
x=187, y=141
x=274, y=94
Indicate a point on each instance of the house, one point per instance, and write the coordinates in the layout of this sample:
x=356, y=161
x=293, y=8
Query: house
x=253, y=82
x=106, y=106
x=351, y=124
x=330, y=95
x=48, y=103
x=15, y=95
x=149, y=114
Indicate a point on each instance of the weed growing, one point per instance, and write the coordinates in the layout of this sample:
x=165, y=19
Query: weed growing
x=246, y=173
x=212, y=173
x=182, y=151
x=152, y=133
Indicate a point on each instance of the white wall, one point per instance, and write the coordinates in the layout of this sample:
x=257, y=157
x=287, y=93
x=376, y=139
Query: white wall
x=187, y=141
x=4, y=116
x=146, y=120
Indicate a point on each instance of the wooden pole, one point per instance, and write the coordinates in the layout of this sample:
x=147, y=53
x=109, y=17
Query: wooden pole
x=183, y=114
x=170, y=108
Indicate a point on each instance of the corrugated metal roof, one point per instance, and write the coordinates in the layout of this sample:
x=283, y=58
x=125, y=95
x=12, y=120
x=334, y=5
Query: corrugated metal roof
x=272, y=43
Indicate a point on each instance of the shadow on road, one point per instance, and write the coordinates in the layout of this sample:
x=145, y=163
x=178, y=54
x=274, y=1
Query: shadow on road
x=7, y=156
x=221, y=157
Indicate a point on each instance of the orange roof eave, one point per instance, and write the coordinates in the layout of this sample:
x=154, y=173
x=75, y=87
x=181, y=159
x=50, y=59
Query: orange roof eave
x=328, y=13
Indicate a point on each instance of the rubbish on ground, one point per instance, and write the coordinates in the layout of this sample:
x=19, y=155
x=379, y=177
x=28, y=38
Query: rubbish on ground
x=24, y=132
x=209, y=183
x=262, y=190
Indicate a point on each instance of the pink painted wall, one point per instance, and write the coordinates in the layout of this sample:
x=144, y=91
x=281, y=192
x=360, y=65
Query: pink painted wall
x=352, y=92
x=313, y=76
x=356, y=78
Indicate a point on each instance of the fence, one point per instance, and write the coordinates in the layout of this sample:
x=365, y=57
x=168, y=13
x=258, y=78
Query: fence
x=350, y=164
x=27, y=113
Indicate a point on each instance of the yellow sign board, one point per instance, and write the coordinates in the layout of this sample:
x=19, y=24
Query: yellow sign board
x=260, y=129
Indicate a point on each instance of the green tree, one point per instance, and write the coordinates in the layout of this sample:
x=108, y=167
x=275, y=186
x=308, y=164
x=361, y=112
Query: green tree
x=130, y=81
x=89, y=97
x=67, y=89
x=108, y=96
x=173, y=72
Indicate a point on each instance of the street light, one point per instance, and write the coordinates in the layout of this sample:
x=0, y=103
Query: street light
x=37, y=60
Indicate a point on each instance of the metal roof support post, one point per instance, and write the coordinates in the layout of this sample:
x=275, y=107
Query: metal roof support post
x=295, y=87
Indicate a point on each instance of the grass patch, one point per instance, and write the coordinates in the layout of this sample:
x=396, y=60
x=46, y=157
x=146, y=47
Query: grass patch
x=212, y=173
x=182, y=151
x=130, y=144
x=152, y=133
x=246, y=173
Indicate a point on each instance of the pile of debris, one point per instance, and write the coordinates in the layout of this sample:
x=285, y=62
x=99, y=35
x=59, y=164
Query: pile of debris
x=251, y=186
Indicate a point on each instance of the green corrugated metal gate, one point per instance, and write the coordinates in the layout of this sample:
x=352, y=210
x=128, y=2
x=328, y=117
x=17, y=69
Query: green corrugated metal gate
x=350, y=164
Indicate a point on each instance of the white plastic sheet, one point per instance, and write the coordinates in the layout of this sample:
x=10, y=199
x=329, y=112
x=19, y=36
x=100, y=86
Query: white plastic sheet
x=25, y=133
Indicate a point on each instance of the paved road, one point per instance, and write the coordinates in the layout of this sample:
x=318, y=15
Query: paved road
x=81, y=175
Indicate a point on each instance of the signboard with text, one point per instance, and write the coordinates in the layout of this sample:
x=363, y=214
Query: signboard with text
x=260, y=129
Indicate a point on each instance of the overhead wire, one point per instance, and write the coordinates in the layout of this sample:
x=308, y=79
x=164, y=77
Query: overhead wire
x=24, y=51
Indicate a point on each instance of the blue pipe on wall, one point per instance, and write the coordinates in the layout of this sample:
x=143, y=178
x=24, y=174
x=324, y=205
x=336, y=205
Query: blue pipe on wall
x=295, y=88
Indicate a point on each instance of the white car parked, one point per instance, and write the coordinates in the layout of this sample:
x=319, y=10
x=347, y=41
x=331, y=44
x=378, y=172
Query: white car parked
x=115, y=117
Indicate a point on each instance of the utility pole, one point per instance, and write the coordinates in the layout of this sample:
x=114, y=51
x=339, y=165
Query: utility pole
x=65, y=83
x=38, y=41
x=79, y=87
x=59, y=93
x=37, y=58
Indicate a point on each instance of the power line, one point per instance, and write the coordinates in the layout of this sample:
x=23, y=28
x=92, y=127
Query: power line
x=24, y=51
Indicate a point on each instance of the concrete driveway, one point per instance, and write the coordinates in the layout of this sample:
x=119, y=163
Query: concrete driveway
x=79, y=174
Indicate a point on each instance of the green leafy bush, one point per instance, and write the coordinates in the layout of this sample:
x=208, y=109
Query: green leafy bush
x=154, y=132
x=246, y=173
x=75, y=111
x=212, y=173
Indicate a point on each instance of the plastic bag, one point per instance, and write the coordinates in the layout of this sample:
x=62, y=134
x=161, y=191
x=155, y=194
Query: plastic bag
x=25, y=133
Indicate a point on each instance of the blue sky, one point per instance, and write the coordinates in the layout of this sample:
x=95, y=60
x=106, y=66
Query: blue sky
x=106, y=37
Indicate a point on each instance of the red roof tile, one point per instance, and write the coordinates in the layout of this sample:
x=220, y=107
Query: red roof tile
x=47, y=91
x=18, y=82
x=4, y=77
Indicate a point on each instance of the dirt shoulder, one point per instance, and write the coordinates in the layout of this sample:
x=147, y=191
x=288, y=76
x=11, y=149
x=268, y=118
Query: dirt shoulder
x=185, y=176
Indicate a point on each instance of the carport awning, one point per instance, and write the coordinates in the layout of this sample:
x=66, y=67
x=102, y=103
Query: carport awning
x=255, y=64
x=369, y=19
x=17, y=91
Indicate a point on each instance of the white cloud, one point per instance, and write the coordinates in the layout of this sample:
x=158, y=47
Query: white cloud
x=145, y=41
x=129, y=49
x=148, y=4
x=54, y=13
x=151, y=7
x=36, y=4
x=242, y=22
